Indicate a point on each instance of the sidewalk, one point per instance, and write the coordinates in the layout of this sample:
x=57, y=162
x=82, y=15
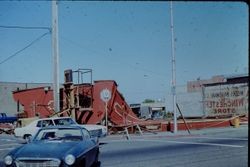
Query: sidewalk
x=201, y=132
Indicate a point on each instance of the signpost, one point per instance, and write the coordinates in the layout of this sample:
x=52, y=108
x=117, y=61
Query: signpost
x=105, y=96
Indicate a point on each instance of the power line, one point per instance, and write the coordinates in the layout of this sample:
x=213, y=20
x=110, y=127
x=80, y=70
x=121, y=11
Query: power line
x=25, y=27
x=30, y=44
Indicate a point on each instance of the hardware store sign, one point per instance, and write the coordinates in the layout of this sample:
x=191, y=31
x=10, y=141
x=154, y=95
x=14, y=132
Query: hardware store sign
x=226, y=100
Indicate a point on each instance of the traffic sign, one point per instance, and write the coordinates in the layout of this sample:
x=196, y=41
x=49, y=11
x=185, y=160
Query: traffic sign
x=105, y=95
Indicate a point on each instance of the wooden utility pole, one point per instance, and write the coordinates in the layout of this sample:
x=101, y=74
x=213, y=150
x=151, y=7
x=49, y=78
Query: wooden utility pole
x=55, y=53
x=183, y=119
x=173, y=66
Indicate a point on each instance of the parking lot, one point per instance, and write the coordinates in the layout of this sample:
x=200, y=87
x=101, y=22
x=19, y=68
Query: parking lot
x=209, y=147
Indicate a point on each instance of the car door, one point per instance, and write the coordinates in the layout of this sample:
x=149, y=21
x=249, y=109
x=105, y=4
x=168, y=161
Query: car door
x=31, y=129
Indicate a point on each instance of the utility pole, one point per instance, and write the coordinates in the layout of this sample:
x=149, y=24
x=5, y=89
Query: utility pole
x=55, y=54
x=173, y=67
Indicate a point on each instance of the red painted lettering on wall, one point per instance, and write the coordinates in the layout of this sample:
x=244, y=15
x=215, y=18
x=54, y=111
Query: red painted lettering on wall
x=226, y=99
x=224, y=110
x=225, y=103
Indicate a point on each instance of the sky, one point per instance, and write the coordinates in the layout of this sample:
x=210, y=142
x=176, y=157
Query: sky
x=125, y=41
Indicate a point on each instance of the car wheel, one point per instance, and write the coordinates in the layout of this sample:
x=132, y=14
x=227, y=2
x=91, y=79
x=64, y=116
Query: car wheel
x=27, y=137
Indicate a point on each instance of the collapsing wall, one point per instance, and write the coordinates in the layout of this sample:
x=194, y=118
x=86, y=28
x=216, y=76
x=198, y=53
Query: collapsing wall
x=89, y=108
x=35, y=102
x=92, y=109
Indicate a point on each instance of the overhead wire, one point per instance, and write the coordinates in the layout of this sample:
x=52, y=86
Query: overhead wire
x=34, y=41
x=29, y=45
x=25, y=27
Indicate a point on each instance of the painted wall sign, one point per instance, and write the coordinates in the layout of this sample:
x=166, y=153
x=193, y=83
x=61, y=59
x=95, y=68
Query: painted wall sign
x=226, y=100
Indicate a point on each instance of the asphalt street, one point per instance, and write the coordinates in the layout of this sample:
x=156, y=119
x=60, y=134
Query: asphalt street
x=222, y=147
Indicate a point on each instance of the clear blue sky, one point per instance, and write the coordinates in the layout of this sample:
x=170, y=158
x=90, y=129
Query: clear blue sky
x=129, y=42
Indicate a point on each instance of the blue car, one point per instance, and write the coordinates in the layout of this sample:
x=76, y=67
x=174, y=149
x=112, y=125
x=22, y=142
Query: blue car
x=57, y=146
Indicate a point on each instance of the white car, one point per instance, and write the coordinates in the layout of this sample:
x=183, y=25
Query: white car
x=30, y=130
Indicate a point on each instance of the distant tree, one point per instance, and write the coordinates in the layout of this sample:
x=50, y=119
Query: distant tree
x=148, y=101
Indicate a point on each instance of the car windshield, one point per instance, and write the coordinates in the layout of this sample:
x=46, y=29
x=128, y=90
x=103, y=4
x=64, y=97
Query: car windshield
x=64, y=121
x=55, y=134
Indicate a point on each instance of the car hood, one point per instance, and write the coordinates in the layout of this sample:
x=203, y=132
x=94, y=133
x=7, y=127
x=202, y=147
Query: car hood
x=52, y=149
